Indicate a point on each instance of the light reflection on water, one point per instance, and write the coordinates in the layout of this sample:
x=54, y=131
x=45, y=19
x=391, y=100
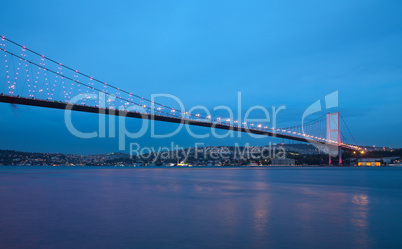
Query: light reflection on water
x=198, y=208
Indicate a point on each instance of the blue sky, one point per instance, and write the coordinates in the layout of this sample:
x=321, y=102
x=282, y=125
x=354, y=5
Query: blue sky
x=275, y=52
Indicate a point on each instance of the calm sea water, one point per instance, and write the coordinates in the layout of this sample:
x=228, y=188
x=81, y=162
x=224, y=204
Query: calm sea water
x=92, y=207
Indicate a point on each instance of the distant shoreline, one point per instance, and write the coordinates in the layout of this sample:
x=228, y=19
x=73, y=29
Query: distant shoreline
x=197, y=167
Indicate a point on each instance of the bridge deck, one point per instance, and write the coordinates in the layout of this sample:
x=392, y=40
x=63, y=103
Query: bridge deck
x=92, y=109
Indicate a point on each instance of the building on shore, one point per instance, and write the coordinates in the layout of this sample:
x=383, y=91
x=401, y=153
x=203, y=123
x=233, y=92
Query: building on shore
x=379, y=161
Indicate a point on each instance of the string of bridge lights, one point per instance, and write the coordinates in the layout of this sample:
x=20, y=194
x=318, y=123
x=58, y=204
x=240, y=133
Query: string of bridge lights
x=60, y=77
x=173, y=110
x=50, y=95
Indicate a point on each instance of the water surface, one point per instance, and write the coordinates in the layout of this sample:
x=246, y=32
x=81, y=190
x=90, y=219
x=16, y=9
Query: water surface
x=93, y=207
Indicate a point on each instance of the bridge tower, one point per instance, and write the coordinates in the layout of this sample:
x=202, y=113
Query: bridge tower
x=334, y=119
x=339, y=140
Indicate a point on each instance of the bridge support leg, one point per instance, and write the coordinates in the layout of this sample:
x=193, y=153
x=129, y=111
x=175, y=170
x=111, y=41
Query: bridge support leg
x=329, y=137
x=329, y=156
x=339, y=139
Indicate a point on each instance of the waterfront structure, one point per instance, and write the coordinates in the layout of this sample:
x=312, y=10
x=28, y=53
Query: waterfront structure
x=379, y=161
x=283, y=162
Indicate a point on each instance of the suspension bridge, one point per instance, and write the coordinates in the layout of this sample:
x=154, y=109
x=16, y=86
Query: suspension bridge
x=31, y=78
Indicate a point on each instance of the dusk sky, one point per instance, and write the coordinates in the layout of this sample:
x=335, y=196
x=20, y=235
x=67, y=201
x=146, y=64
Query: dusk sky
x=274, y=52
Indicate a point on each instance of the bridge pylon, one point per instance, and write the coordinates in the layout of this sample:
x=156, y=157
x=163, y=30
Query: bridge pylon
x=334, y=126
